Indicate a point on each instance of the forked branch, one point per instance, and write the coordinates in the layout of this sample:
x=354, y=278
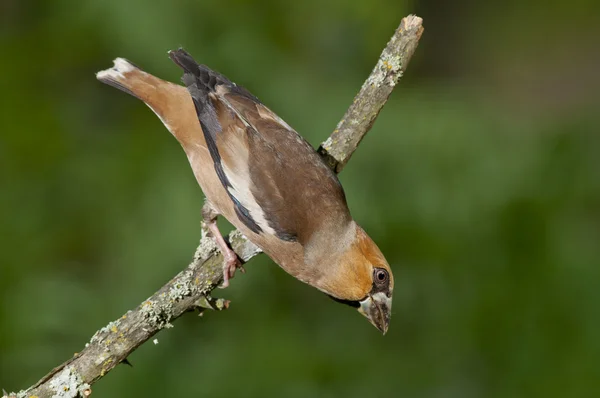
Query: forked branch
x=190, y=289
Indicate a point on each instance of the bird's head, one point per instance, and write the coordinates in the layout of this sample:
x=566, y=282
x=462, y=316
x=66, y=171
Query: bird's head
x=362, y=278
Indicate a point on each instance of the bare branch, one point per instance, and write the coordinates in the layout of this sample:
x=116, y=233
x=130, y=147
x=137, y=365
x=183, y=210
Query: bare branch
x=373, y=95
x=190, y=289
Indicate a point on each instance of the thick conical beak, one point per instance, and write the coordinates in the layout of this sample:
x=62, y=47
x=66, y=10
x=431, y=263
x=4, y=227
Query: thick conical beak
x=378, y=310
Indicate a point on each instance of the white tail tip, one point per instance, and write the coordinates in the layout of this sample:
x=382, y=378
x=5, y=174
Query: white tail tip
x=120, y=67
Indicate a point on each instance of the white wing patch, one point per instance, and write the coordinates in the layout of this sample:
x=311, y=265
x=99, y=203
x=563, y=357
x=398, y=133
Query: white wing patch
x=240, y=189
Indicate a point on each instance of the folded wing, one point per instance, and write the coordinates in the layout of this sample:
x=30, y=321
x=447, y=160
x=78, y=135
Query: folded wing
x=272, y=175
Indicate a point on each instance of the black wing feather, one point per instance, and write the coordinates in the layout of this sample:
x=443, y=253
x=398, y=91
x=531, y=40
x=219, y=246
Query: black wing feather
x=201, y=81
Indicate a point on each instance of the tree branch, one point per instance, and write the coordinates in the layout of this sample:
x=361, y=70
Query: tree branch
x=373, y=95
x=190, y=289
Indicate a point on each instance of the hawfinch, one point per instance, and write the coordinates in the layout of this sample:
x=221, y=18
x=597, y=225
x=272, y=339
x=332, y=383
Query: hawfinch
x=264, y=178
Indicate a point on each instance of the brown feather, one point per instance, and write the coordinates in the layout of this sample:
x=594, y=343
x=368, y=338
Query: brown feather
x=345, y=262
x=274, y=175
x=299, y=195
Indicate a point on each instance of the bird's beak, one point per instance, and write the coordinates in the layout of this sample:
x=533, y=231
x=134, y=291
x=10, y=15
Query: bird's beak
x=378, y=310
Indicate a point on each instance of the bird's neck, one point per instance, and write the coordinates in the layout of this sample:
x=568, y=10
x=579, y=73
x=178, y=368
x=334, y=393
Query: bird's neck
x=326, y=244
x=337, y=265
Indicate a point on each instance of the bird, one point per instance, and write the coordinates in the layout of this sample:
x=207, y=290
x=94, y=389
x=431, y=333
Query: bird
x=267, y=181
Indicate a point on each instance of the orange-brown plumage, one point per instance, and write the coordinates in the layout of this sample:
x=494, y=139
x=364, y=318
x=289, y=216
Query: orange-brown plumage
x=264, y=178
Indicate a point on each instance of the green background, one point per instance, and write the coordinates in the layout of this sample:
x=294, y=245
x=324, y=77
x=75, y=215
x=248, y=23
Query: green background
x=480, y=181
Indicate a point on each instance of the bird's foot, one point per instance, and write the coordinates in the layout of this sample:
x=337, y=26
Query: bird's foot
x=231, y=263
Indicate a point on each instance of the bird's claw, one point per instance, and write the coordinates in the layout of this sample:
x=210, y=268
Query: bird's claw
x=231, y=263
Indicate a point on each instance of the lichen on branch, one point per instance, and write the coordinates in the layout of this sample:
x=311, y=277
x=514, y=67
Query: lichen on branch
x=190, y=289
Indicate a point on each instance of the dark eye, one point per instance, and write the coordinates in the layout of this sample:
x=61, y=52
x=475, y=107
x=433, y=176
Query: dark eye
x=380, y=276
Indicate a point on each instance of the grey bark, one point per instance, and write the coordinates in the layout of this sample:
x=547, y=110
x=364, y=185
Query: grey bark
x=373, y=95
x=190, y=289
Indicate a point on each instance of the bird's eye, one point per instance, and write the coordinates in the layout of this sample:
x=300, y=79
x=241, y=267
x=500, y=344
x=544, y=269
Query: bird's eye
x=380, y=276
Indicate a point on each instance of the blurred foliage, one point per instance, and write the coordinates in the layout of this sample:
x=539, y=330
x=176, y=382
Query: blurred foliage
x=480, y=181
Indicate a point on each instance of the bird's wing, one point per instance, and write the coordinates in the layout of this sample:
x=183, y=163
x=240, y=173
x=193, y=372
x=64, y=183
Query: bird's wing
x=272, y=175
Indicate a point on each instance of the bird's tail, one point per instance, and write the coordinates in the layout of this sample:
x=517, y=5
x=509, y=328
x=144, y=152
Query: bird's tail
x=123, y=75
x=132, y=80
x=170, y=102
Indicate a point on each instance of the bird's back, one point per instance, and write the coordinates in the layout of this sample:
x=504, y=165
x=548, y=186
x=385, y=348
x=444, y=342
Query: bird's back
x=272, y=175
